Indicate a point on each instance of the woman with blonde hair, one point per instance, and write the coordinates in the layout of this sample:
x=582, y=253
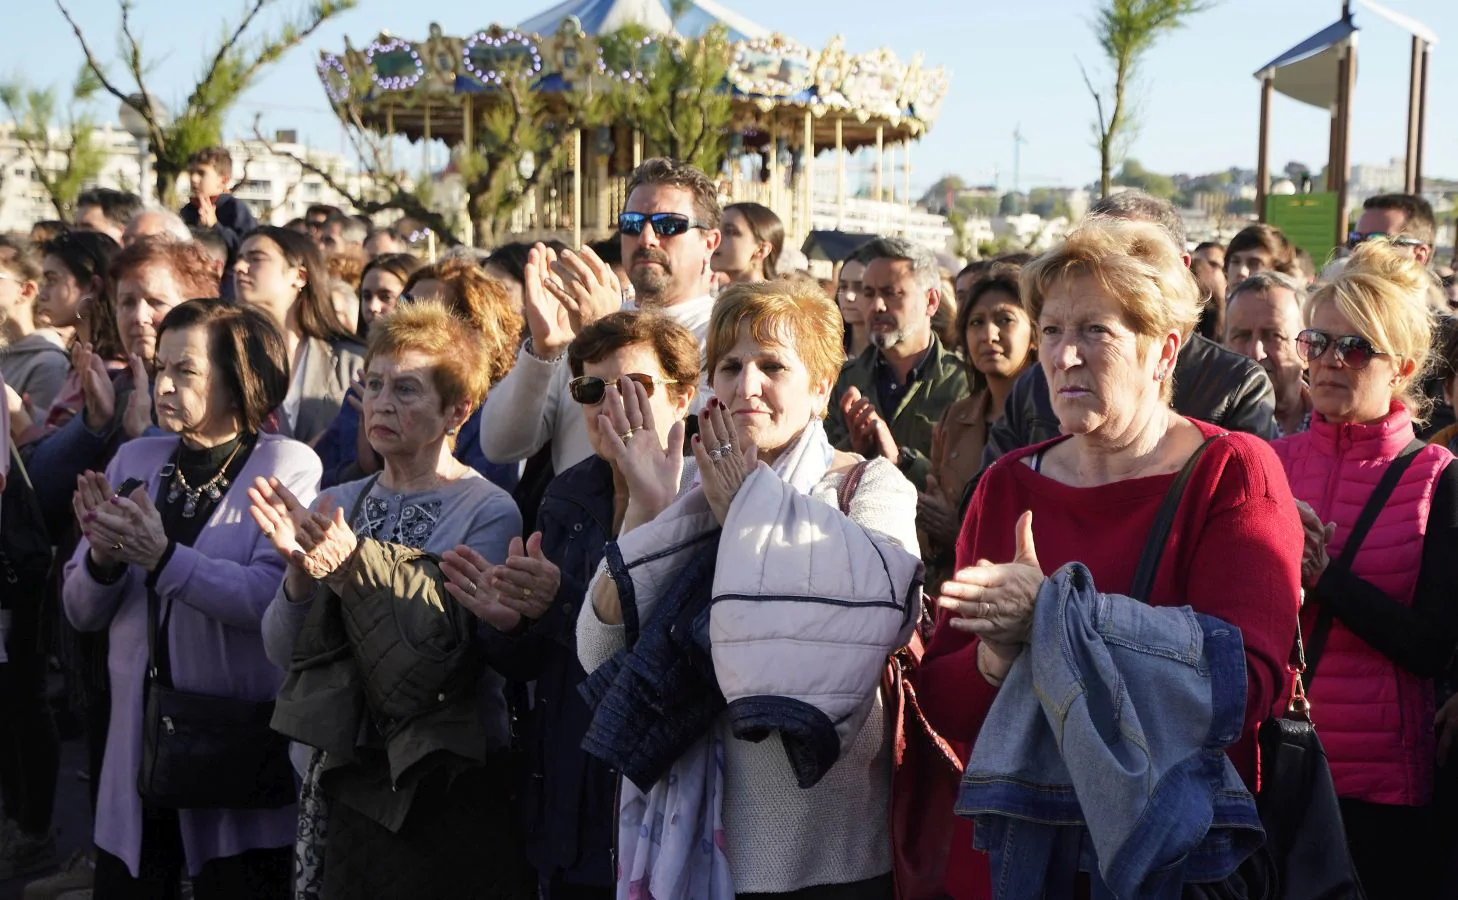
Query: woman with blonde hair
x=1112, y=304
x=1383, y=618
x=779, y=760
x=466, y=291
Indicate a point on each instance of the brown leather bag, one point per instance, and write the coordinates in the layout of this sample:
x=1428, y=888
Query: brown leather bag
x=925, y=769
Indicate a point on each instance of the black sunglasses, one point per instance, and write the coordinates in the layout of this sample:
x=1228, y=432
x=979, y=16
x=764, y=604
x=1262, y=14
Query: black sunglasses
x=1352, y=350
x=665, y=224
x=589, y=389
x=1398, y=240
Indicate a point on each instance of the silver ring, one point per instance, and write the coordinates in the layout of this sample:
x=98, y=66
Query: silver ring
x=117, y=545
x=986, y=609
x=716, y=454
x=471, y=588
x=726, y=448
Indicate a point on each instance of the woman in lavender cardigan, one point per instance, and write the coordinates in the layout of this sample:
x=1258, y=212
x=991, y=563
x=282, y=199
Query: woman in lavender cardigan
x=186, y=532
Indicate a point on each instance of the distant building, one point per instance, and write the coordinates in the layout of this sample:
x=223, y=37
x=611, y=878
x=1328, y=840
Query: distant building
x=273, y=185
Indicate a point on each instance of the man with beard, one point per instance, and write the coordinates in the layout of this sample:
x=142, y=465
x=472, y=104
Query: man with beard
x=1262, y=320
x=889, y=399
x=670, y=228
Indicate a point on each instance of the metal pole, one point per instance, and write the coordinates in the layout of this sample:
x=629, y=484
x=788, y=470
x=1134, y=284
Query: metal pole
x=807, y=172
x=1422, y=122
x=839, y=176
x=1348, y=73
x=1263, y=152
x=1414, y=112
x=880, y=163
x=577, y=187
x=774, y=169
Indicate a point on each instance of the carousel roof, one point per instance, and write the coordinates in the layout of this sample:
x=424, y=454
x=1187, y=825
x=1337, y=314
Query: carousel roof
x=606, y=16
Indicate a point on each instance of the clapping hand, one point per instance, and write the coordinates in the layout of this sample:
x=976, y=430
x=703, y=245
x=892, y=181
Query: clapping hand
x=501, y=596
x=723, y=462
x=207, y=210
x=1314, y=559
x=996, y=601
x=126, y=529
x=547, y=319
x=651, y=470
x=870, y=435
x=138, y=416
x=96, y=387
x=937, y=515
x=586, y=287
x=316, y=543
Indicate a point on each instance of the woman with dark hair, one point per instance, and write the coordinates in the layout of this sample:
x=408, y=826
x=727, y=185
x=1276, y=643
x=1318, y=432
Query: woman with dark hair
x=996, y=338
x=75, y=299
x=753, y=239
x=382, y=284
x=467, y=292
x=183, y=540
x=281, y=272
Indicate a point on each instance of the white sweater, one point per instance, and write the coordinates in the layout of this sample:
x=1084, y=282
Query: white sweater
x=531, y=405
x=780, y=837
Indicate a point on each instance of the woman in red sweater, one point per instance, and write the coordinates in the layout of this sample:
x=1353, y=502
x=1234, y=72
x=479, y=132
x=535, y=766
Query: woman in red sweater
x=1113, y=305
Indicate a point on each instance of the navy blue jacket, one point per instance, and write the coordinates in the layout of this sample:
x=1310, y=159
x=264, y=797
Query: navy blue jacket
x=569, y=798
x=234, y=221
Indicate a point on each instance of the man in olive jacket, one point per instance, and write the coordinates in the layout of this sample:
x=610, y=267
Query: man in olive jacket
x=888, y=400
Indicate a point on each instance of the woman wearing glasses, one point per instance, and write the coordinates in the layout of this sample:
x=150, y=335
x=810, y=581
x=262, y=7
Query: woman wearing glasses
x=1393, y=617
x=569, y=795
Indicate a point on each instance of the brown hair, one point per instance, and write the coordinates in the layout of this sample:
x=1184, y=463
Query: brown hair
x=461, y=370
x=347, y=264
x=194, y=271
x=1132, y=261
x=245, y=348
x=87, y=255
x=660, y=170
x=401, y=265
x=764, y=226
x=799, y=316
x=18, y=258
x=1270, y=239
x=675, y=346
x=315, y=307
x=216, y=158
x=482, y=302
x=1419, y=222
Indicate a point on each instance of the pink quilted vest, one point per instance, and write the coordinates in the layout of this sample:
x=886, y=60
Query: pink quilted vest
x=1375, y=718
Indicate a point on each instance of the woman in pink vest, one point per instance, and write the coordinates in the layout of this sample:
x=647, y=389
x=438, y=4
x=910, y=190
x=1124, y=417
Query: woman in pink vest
x=1393, y=612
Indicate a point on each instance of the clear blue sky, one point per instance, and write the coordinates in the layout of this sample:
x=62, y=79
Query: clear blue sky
x=1013, y=64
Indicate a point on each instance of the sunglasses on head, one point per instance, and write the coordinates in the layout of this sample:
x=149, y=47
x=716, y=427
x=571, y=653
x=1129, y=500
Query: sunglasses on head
x=1352, y=350
x=665, y=224
x=1398, y=240
x=589, y=389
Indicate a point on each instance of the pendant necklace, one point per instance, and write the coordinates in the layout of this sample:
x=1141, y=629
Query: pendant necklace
x=190, y=495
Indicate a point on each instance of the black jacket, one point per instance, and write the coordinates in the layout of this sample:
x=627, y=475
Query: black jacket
x=1212, y=384
x=570, y=797
x=234, y=221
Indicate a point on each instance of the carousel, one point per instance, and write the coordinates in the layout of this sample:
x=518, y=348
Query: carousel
x=796, y=112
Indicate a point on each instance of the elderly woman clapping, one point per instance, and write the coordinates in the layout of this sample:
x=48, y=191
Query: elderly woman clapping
x=812, y=582
x=179, y=537
x=1112, y=306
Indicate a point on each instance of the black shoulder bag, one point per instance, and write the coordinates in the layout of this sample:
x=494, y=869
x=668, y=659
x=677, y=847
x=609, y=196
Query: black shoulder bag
x=200, y=751
x=1306, y=855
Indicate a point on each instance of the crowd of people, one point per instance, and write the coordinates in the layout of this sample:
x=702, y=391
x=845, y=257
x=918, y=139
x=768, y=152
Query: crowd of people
x=649, y=569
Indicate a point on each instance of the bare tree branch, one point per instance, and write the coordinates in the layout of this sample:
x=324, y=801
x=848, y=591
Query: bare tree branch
x=1097, y=97
x=233, y=39
x=90, y=56
x=138, y=70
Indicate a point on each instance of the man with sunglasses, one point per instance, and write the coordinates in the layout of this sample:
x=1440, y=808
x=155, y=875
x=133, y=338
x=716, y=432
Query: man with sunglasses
x=670, y=228
x=1405, y=219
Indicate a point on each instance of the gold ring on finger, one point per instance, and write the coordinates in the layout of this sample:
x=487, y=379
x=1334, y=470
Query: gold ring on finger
x=626, y=436
x=526, y=592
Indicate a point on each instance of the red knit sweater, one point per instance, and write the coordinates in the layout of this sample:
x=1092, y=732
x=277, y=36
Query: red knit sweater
x=1234, y=553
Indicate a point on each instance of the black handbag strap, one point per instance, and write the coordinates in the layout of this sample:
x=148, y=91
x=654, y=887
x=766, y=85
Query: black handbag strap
x=1164, y=521
x=1375, y=503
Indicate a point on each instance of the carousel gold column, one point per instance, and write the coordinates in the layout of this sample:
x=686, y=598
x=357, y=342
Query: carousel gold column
x=577, y=188
x=468, y=144
x=807, y=174
x=839, y=175
x=774, y=169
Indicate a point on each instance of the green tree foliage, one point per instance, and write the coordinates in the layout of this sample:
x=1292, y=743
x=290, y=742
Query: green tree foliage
x=1132, y=174
x=679, y=100
x=231, y=68
x=58, y=144
x=1126, y=30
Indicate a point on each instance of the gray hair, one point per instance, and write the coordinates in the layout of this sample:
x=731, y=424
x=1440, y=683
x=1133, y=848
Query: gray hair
x=1143, y=207
x=172, y=224
x=924, y=266
x=1261, y=282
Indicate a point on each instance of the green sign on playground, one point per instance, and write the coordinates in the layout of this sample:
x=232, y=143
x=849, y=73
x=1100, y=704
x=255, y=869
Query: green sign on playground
x=1308, y=220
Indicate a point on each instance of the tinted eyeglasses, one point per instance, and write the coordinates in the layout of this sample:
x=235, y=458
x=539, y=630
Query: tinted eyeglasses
x=1398, y=240
x=665, y=224
x=1352, y=350
x=589, y=389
